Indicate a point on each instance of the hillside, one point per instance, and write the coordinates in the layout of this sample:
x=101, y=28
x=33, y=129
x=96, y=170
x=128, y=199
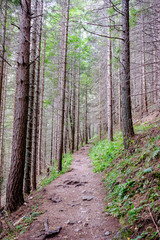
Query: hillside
x=132, y=179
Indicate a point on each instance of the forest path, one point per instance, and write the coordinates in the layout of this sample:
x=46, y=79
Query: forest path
x=80, y=206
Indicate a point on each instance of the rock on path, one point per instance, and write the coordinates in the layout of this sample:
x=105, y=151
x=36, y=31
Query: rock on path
x=76, y=202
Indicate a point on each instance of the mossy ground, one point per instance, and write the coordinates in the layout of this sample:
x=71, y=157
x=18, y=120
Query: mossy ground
x=132, y=180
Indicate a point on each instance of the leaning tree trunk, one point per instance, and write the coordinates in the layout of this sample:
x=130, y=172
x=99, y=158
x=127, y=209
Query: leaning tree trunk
x=14, y=192
x=127, y=124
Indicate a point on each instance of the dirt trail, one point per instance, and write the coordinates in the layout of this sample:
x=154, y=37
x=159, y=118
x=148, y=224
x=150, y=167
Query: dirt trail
x=81, y=201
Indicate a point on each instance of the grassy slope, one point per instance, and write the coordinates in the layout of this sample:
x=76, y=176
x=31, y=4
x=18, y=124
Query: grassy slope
x=132, y=180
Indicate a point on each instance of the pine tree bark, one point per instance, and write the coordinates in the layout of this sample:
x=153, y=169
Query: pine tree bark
x=127, y=124
x=14, y=192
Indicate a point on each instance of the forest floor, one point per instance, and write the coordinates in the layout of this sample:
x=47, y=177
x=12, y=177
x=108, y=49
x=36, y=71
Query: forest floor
x=74, y=201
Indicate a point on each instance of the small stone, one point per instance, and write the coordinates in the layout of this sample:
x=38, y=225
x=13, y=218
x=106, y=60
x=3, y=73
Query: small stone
x=87, y=198
x=85, y=224
x=107, y=233
x=121, y=234
x=79, y=222
x=96, y=236
x=83, y=211
x=55, y=198
x=70, y=222
x=77, y=230
x=84, y=191
x=149, y=229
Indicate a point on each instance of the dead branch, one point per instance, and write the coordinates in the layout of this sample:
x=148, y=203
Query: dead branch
x=100, y=35
x=5, y=61
x=50, y=233
x=33, y=60
x=154, y=221
x=41, y=15
x=13, y=24
x=115, y=8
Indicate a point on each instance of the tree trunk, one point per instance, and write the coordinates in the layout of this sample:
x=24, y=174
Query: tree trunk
x=37, y=103
x=41, y=106
x=127, y=124
x=63, y=87
x=14, y=193
x=119, y=99
x=29, y=145
x=86, y=119
x=143, y=84
x=78, y=108
x=73, y=108
x=2, y=55
x=66, y=131
x=100, y=103
x=2, y=138
x=109, y=91
x=36, y=113
x=52, y=128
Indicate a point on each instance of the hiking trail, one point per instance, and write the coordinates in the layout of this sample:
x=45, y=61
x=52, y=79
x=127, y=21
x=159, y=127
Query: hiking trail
x=75, y=201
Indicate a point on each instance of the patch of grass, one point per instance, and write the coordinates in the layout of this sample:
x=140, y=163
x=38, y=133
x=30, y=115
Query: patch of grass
x=104, y=152
x=66, y=163
x=132, y=180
